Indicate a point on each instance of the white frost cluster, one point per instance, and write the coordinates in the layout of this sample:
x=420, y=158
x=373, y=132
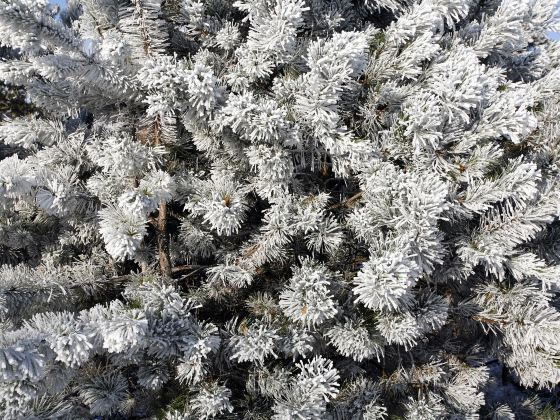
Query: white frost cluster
x=307, y=298
x=254, y=343
x=122, y=231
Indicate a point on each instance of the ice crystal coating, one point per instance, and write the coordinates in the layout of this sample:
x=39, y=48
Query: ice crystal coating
x=279, y=209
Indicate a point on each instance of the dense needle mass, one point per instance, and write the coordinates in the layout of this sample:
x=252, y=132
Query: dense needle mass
x=286, y=209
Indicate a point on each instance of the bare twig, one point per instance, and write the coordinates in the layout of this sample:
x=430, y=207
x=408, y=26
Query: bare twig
x=161, y=222
x=349, y=202
x=180, y=269
x=163, y=241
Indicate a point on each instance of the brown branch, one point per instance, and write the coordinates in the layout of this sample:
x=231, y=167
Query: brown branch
x=176, y=271
x=163, y=241
x=349, y=202
x=161, y=222
x=180, y=269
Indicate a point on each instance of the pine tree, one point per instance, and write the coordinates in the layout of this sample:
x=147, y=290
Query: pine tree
x=286, y=209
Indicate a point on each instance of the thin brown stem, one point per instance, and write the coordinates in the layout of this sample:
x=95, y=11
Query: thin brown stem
x=163, y=241
x=161, y=223
x=181, y=269
x=348, y=202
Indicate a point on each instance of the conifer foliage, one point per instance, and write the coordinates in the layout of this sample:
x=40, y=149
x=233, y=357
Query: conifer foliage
x=280, y=209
